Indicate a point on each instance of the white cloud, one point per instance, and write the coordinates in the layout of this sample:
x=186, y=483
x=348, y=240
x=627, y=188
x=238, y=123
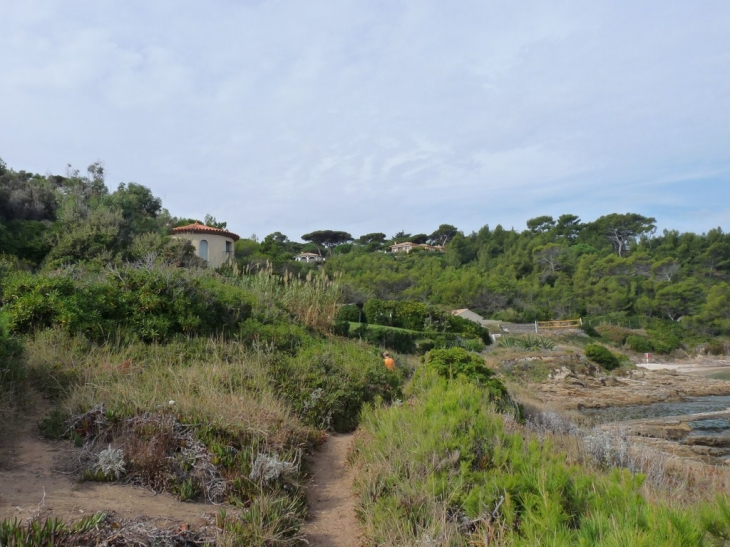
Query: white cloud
x=291, y=116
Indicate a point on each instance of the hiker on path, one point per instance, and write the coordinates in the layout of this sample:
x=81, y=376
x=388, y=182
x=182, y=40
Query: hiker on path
x=389, y=362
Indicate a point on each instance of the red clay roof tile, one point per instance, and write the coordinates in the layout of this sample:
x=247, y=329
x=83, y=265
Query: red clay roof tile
x=197, y=228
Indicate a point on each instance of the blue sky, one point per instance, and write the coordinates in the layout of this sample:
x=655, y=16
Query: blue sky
x=383, y=115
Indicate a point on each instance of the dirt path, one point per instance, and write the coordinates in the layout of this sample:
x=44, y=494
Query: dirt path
x=332, y=521
x=33, y=484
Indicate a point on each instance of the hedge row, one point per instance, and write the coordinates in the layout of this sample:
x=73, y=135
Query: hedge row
x=411, y=315
x=407, y=342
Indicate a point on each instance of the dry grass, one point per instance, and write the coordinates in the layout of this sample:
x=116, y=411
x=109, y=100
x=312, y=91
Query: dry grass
x=190, y=418
x=220, y=383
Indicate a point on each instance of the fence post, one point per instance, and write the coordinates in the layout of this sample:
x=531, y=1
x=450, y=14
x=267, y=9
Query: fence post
x=535, y=327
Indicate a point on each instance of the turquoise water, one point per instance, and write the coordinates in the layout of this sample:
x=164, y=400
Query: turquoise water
x=691, y=405
x=720, y=375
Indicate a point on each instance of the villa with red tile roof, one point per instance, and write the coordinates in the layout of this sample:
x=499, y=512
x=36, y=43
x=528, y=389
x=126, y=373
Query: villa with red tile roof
x=213, y=245
x=407, y=247
x=309, y=257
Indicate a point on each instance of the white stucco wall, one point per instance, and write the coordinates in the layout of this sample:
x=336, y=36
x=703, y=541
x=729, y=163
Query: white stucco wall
x=217, y=255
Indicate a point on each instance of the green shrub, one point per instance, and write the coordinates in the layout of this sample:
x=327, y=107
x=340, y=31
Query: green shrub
x=281, y=336
x=602, y=355
x=666, y=335
x=412, y=315
x=341, y=328
x=617, y=335
x=327, y=383
x=381, y=312
x=445, y=466
x=640, y=344
x=664, y=348
x=12, y=371
x=149, y=304
x=528, y=342
x=464, y=326
x=589, y=330
x=422, y=346
x=471, y=344
x=406, y=314
x=350, y=312
x=397, y=340
x=12, y=374
x=453, y=362
x=359, y=332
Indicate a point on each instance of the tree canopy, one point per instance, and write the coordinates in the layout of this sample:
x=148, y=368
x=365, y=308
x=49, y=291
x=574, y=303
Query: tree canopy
x=327, y=239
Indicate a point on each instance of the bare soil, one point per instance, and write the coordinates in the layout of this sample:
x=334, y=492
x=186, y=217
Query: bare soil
x=33, y=483
x=332, y=521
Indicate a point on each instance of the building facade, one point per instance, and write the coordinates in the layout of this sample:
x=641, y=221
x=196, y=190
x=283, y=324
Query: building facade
x=213, y=245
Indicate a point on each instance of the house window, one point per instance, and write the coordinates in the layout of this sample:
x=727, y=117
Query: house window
x=229, y=248
x=203, y=249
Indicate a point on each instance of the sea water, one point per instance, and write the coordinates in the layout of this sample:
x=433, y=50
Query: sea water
x=690, y=405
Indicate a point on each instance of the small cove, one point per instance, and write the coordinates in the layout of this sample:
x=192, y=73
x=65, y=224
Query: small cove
x=690, y=405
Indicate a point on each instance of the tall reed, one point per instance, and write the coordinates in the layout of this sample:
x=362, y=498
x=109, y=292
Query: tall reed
x=312, y=301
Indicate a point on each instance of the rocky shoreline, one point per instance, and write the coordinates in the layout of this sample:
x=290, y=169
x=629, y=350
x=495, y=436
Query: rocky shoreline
x=569, y=390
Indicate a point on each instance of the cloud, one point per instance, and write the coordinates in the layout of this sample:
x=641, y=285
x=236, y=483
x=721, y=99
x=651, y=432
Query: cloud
x=290, y=116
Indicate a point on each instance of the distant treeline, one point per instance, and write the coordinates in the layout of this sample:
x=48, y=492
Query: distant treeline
x=616, y=266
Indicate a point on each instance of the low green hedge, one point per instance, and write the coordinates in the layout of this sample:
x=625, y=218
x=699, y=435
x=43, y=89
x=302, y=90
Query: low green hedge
x=405, y=341
x=602, y=355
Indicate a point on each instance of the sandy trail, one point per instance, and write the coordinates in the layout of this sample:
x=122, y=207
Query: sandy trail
x=332, y=521
x=33, y=484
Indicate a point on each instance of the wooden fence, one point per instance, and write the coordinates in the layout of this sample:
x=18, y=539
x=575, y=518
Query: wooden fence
x=565, y=324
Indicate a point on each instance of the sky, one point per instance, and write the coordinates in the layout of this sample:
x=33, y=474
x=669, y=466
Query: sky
x=379, y=115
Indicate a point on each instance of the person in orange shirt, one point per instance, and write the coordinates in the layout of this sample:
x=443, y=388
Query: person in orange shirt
x=389, y=362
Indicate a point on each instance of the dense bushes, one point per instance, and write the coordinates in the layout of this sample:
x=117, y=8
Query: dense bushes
x=279, y=336
x=351, y=313
x=454, y=363
x=10, y=351
x=405, y=314
x=445, y=470
x=397, y=340
x=418, y=316
x=663, y=336
x=404, y=341
x=640, y=344
x=151, y=304
x=602, y=355
x=12, y=373
x=424, y=327
x=327, y=383
x=470, y=328
x=617, y=335
x=666, y=336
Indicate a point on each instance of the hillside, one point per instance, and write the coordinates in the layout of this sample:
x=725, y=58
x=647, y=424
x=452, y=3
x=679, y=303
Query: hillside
x=147, y=372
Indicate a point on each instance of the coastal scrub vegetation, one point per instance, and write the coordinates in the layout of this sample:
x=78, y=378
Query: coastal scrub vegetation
x=449, y=469
x=213, y=384
x=223, y=416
